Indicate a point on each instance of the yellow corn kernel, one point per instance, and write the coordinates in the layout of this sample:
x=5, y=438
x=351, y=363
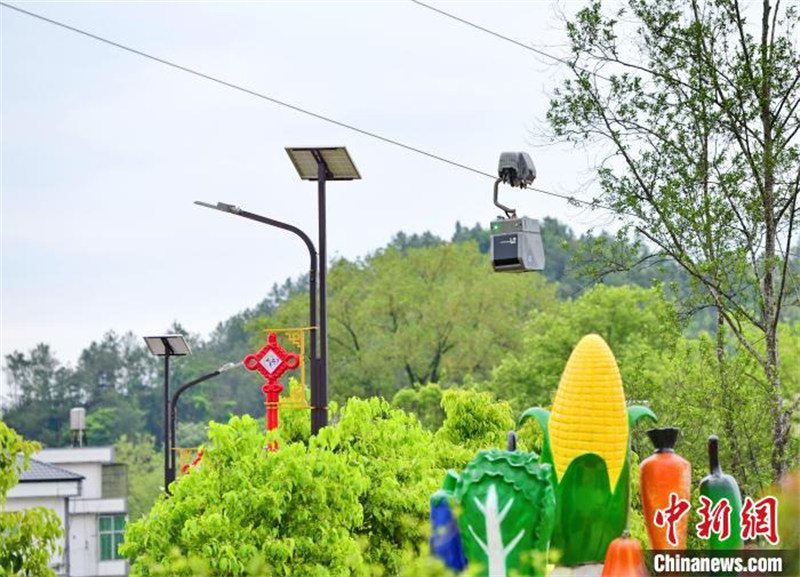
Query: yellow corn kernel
x=589, y=414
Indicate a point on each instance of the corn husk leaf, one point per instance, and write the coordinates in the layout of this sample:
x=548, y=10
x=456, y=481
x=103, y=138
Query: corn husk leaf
x=588, y=515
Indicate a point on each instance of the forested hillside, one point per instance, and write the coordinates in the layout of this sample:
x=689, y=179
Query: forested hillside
x=414, y=311
x=422, y=315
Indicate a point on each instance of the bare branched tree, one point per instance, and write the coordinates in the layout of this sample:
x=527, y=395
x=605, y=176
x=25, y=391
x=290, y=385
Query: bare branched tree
x=699, y=104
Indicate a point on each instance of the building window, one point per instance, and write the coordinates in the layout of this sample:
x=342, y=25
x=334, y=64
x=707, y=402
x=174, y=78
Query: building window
x=112, y=530
x=115, y=481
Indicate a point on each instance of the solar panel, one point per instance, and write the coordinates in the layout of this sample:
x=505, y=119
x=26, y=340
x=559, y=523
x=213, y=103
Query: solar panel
x=176, y=343
x=336, y=159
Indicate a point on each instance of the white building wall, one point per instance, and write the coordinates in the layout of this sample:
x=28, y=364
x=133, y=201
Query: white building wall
x=45, y=489
x=86, y=461
x=84, y=545
x=112, y=568
x=77, y=455
x=118, y=506
x=84, y=535
x=92, y=487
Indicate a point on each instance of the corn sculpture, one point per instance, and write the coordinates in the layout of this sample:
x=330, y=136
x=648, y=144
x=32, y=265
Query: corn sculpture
x=586, y=440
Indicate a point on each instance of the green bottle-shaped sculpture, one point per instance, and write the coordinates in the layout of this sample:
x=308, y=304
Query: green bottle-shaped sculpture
x=718, y=486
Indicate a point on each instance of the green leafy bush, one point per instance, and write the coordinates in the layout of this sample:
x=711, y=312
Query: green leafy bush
x=28, y=538
x=245, y=508
x=353, y=501
x=475, y=420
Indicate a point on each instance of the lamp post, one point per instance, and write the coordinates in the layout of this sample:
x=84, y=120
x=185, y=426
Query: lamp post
x=167, y=346
x=312, y=283
x=322, y=165
x=173, y=415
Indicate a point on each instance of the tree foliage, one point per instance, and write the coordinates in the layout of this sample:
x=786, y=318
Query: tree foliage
x=423, y=401
x=697, y=103
x=145, y=472
x=433, y=314
x=28, y=538
x=470, y=318
x=351, y=501
x=639, y=325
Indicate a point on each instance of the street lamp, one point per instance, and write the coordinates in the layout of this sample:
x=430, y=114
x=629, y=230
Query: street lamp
x=322, y=165
x=173, y=416
x=312, y=286
x=167, y=346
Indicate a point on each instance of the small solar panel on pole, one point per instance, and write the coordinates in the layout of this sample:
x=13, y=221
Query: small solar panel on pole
x=322, y=164
x=167, y=346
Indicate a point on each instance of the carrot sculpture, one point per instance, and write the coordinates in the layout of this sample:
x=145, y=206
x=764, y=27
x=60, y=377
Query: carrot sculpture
x=663, y=474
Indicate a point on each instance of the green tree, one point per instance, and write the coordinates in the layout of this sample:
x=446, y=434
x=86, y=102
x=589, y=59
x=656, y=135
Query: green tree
x=145, y=472
x=687, y=395
x=639, y=325
x=431, y=314
x=106, y=423
x=28, y=538
x=404, y=242
x=424, y=401
x=191, y=434
x=698, y=108
x=43, y=393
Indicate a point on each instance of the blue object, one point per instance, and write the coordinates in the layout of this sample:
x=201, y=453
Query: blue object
x=445, y=538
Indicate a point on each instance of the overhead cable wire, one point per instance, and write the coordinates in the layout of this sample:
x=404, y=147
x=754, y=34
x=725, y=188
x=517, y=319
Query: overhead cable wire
x=509, y=39
x=285, y=104
x=239, y=87
x=573, y=64
x=538, y=51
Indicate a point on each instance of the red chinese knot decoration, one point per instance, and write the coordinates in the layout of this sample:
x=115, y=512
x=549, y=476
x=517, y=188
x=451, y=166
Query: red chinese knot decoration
x=271, y=362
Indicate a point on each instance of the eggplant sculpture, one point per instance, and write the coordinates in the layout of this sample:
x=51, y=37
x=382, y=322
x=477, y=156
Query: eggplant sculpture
x=716, y=487
x=586, y=440
x=446, y=541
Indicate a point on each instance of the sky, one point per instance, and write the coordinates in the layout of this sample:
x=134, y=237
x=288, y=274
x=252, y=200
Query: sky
x=103, y=152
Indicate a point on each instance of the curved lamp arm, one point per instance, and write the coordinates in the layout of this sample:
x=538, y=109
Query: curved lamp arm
x=174, y=407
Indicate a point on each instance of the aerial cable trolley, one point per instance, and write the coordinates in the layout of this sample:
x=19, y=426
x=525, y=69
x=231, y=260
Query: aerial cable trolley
x=516, y=242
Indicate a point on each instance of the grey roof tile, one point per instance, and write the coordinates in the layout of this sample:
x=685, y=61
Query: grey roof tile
x=40, y=472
